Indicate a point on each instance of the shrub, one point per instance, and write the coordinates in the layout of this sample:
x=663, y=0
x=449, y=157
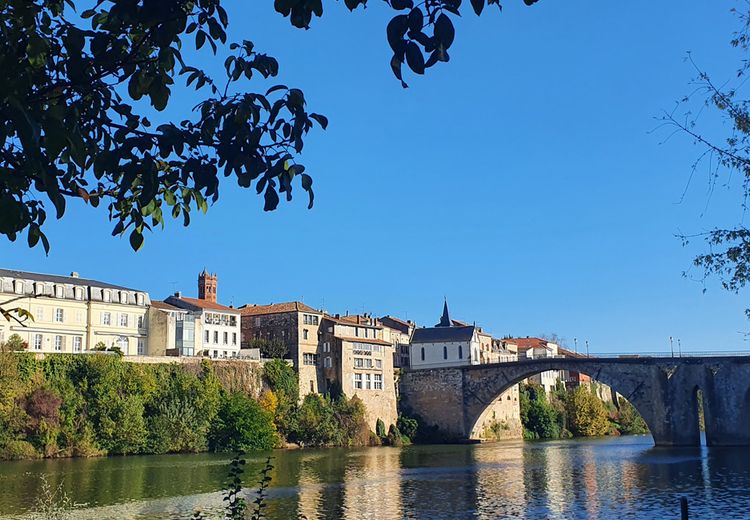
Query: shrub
x=242, y=424
x=17, y=450
x=14, y=343
x=587, y=415
x=407, y=426
x=380, y=428
x=394, y=436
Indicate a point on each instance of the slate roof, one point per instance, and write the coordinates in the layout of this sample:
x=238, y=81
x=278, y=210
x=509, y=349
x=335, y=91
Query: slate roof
x=164, y=306
x=53, y=278
x=276, y=308
x=443, y=334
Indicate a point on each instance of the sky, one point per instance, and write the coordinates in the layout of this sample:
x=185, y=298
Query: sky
x=528, y=181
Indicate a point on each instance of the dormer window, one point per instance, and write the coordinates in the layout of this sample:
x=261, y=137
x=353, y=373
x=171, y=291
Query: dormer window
x=106, y=296
x=18, y=287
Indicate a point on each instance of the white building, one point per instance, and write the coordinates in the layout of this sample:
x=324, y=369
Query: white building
x=73, y=314
x=445, y=345
x=216, y=328
x=537, y=348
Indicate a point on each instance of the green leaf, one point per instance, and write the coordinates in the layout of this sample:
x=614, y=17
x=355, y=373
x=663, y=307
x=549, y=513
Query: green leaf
x=414, y=58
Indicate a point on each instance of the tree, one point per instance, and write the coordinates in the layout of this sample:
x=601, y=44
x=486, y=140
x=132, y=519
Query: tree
x=727, y=156
x=270, y=348
x=72, y=126
x=242, y=424
x=587, y=416
x=14, y=343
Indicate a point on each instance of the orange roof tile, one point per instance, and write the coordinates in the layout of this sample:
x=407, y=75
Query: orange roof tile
x=205, y=304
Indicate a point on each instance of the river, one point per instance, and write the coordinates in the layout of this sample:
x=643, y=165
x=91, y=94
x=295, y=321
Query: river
x=620, y=478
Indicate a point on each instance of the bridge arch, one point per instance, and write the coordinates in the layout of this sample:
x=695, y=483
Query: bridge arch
x=482, y=390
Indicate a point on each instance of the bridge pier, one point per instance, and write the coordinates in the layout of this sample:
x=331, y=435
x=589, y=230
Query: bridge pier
x=726, y=405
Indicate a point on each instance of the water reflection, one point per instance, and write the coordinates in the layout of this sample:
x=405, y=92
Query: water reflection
x=624, y=478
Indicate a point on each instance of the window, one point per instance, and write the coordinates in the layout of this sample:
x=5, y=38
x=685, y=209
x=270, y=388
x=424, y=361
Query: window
x=77, y=343
x=59, y=291
x=18, y=286
x=79, y=316
x=123, y=320
x=224, y=354
x=460, y=352
x=234, y=338
x=378, y=363
x=257, y=322
x=326, y=347
x=216, y=353
x=368, y=385
x=123, y=297
x=59, y=315
x=445, y=352
x=106, y=318
x=141, y=346
x=226, y=338
x=122, y=342
x=139, y=299
x=78, y=293
x=59, y=342
x=216, y=337
x=358, y=381
x=40, y=314
x=304, y=334
x=106, y=296
x=37, y=342
x=140, y=322
x=327, y=363
x=207, y=337
x=309, y=359
x=422, y=353
x=309, y=319
x=377, y=381
x=312, y=386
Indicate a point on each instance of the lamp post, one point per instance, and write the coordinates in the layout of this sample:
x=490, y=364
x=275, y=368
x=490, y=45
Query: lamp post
x=587, y=348
x=671, y=346
x=679, y=347
x=575, y=343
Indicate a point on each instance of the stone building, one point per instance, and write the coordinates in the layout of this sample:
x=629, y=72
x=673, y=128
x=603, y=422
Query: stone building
x=73, y=314
x=215, y=327
x=453, y=343
x=398, y=333
x=358, y=361
x=297, y=326
x=536, y=348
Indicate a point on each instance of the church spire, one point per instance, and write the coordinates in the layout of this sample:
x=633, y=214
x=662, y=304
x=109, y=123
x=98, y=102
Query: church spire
x=445, y=319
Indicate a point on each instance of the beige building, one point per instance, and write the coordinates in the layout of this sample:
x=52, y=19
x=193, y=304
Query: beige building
x=171, y=330
x=357, y=359
x=73, y=314
x=297, y=326
x=398, y=333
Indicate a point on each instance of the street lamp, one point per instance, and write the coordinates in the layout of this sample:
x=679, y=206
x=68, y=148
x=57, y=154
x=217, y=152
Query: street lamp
x=679, y=347
x=575, y=343
x=671, y=346
x=587, y=348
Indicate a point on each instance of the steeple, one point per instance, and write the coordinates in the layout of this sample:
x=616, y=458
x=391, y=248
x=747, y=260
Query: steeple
x=445, y=319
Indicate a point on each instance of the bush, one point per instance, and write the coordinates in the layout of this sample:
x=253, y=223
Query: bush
x=14, y=343
x=587, y=415
x=270, y=348
x=380, y=428
x=242, y=425
x=394, y=436
x=17, y=450
x=407, y=426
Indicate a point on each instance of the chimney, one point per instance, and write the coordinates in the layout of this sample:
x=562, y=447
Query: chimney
x=178, y=294
x=74, y=274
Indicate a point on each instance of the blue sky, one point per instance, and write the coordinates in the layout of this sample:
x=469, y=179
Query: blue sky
x=526, y=180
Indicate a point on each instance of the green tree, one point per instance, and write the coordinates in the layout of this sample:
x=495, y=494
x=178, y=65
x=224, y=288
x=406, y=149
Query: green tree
x=630, y=421
x=270, y=348
x=242, y=425
x=14, y=343
x=587, y=415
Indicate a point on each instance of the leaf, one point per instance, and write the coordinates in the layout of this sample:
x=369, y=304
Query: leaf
x=395, y=31
x=478, y=6
x=396, y=68
x=272, y=199
x=321, y=119
x=444, y=31
x=400, y=5
x=136, y=240
x=416, y=19
x=414, y=58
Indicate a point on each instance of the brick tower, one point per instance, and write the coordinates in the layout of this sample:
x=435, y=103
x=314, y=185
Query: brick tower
x=207, y=285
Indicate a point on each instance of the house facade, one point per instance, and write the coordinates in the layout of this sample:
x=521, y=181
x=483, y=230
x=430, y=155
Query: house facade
x=294, y=324
x=171, y=330
x=356, y=359
x=398, y=333
x=73, y=314
x=538, y=348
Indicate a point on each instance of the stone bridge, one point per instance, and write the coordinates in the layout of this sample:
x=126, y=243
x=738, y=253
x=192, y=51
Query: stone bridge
x=663, y=390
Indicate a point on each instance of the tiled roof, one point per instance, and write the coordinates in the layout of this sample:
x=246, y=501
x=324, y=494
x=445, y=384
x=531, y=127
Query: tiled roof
x=276, y=308
x=344, y=320
x=53, y=278
x=569, y=353
x=164, y=306
x=200, y=304
x=527, y=343
x=358, y=319
x=442, y=334
x=373, y=341
x=397, y=324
